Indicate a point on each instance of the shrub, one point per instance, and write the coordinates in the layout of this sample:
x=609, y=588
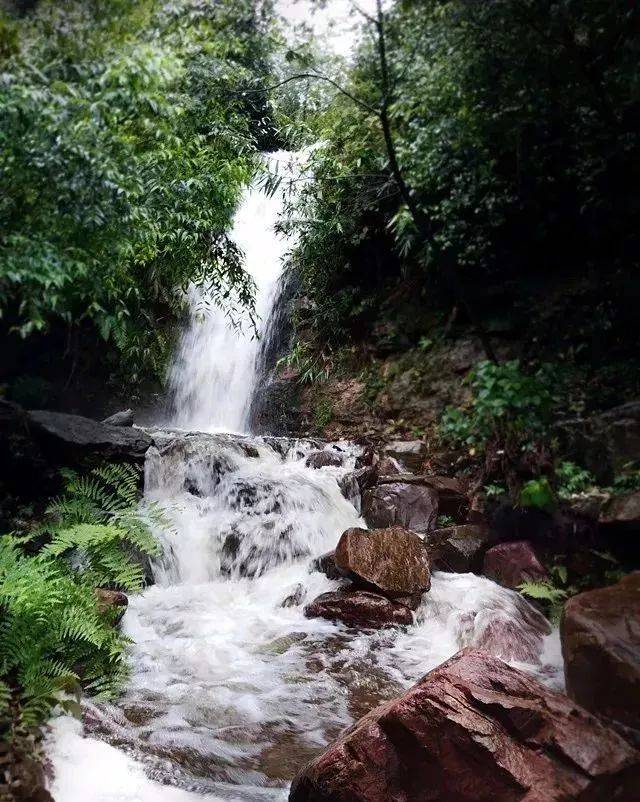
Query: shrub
x=572, y=479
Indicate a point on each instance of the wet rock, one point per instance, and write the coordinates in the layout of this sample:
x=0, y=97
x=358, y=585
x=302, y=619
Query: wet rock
x=388, y=466
x=411, y=506
x=452, y=500
x=112, y=601
x=69, y=436
x=511, y=564
x=410, y=453
x=326, y=564
x=359, y=608
x=459, y=549
x=350, y=489
x=623, y=510
x=600, y=632
x=252, y=555
x=296, y=597
x=474, y=730
x=123, y=418
x=323, y=459
x=391, y=561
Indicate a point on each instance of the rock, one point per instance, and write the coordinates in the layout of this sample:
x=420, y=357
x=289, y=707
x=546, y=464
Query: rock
x=388, y=466
x=69, y=436
x=511, y=564
x=323, y=459
x=410, y=453
x=359, y=608
x=295, y=597
x=354, y=483
x=622, y=510
x=326, y=565
x=474, y=730
x=452, y=499
x=112, y=600
x=603, y=443
x=392, y=561
x=600, y=633
x=124, y=418
x=412, y=506
x=459, y=549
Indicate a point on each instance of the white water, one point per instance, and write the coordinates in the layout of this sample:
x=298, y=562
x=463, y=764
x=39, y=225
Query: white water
x=214, y=375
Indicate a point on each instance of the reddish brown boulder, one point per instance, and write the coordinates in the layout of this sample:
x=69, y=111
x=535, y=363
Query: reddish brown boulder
x=412, y=506
x=511, y=564
x=391, y=561
x=112, y=601
x=600, y=633
x=459, y=549
x=326, y=564
x=474, y=730
x=359, y=608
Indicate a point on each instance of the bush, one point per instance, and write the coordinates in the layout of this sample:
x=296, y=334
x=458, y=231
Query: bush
x=55, y=638
x=572, y=479
x=506, y=402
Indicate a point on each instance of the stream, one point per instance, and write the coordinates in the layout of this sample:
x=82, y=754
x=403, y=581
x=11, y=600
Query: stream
x=232, y=688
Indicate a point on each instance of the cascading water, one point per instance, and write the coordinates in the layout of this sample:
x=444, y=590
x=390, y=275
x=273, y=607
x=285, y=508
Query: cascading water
x=232, y=687
x=214, y=375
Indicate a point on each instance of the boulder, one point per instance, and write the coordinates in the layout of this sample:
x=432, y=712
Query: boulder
x=622, y=510
x=452, y=500
x=68, y=436
x=353, y=484
x=600, y=633
x=392, y=561
x=326, y=564
x=295, y=597
x=123, y=418
x=359, y=608
x=113, y=601
x=323, y=459
x=511, y=564
x=474, y=730
x=412, y=506
x=388, y=466
x=410, y=453
x=459, y=549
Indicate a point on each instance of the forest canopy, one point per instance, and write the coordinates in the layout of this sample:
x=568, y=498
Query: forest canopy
x=125, y=144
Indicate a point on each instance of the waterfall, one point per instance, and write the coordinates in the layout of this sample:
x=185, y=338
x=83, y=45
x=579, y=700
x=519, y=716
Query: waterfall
x=213, y=378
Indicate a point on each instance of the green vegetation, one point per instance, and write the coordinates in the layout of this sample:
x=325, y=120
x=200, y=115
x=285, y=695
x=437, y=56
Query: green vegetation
x=506, y=403
x=323, y=413
x=125, y=144
x=55, y=637
x=572, y=479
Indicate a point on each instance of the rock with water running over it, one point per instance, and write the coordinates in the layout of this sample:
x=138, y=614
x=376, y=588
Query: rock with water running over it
x=474, y=730
x=323, y=459
x=411, y=506
x=600, y=632
x=359, y=608
x=511, y=564
x=391, y=561
x=326, y=564
x=459, y=549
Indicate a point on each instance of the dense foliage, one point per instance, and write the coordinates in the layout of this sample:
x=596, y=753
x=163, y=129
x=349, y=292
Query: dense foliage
x=515, y=127
x=55, y=636
x=125, y=144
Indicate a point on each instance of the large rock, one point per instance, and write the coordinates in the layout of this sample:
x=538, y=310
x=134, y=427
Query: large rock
x=623, y=510
x=459, y=549
x=70, y=436
x=600, y=633
x=122, y=418
x=511, y=564
x=323, y=459
x=391, y=561
x=474, y=730
x=359, y=608
x=412, y=506
x=603, y=443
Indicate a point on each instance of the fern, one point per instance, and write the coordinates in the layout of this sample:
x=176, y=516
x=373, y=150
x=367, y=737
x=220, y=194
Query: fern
x=549, y=594
x=54, y=637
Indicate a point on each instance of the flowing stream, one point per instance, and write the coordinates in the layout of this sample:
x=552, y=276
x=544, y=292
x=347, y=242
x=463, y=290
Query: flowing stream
x=232, y=689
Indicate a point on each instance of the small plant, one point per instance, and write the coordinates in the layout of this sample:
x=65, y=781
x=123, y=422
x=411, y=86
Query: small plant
x=505, y=402
x=551, y=595
x=628, y=481
x=443, y=521
x=495, y=490
x=537, y=493
x=312, y=367
x=573, y=479
x=323, y=414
